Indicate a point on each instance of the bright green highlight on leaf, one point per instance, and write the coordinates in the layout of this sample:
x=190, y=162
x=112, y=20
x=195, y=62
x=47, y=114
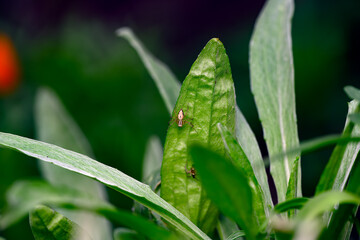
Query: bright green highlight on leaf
x=227, y=187
x=55, y=125
x=107, y=175
x=47, y=224
x=272, y=83
x=206, y=98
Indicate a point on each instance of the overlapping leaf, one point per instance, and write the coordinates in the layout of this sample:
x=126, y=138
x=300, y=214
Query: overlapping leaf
x=54, y=125
x=107, y=175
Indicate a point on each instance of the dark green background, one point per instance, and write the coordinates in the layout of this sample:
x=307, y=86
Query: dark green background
x=71, y=47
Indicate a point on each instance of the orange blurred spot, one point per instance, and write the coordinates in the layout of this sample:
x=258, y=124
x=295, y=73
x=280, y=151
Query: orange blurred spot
x=9, y=67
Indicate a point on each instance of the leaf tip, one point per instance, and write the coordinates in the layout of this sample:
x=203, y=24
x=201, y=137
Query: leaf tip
x=123, y=31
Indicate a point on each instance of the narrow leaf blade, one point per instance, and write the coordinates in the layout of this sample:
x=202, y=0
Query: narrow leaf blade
x=272, y=83
x=340, y=220
x=55, y=125
x=342, y=158
x=107, y=175
x=165, y=80
x=235, y=199
x=247, y=140
x=47, y=224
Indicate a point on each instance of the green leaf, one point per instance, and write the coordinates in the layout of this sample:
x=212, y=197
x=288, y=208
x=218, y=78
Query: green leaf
x=151, y=174
x=126, y=234
x=244, y=134
x=340, y=222
x=338, y=168
x=47, y=224
x=165, y=80
x=236, y=235
x=207, y=98
x=54, y=125
x=240, y=160
x=152, y=160
x=23, y=196
x=109, y=176
x=272, y=83
x=291, y=191
x=248, y=143
x=355, y=118
x=226, y=227
x=294, y=203
x=228, y=187
x=353, y=92
x=323, y=202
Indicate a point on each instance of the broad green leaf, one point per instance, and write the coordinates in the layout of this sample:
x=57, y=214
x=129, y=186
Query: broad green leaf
x=23, y=196
x=340, y=223
x=248, y=143
x=54, y=125
x=353, y=92
x=338, y=168
x=272, y=83
x=226, y=227
x=228, y=187
x=206, y=98
x=47, y=224
x=107, y=175
x=294, y=203
x=126, y=234
x=165, y=80
x=240, y=160
x=355, y=118
x=325, y=201
x=244, y=134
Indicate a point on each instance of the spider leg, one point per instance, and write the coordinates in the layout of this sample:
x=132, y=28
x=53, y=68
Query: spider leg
x=172, y=121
